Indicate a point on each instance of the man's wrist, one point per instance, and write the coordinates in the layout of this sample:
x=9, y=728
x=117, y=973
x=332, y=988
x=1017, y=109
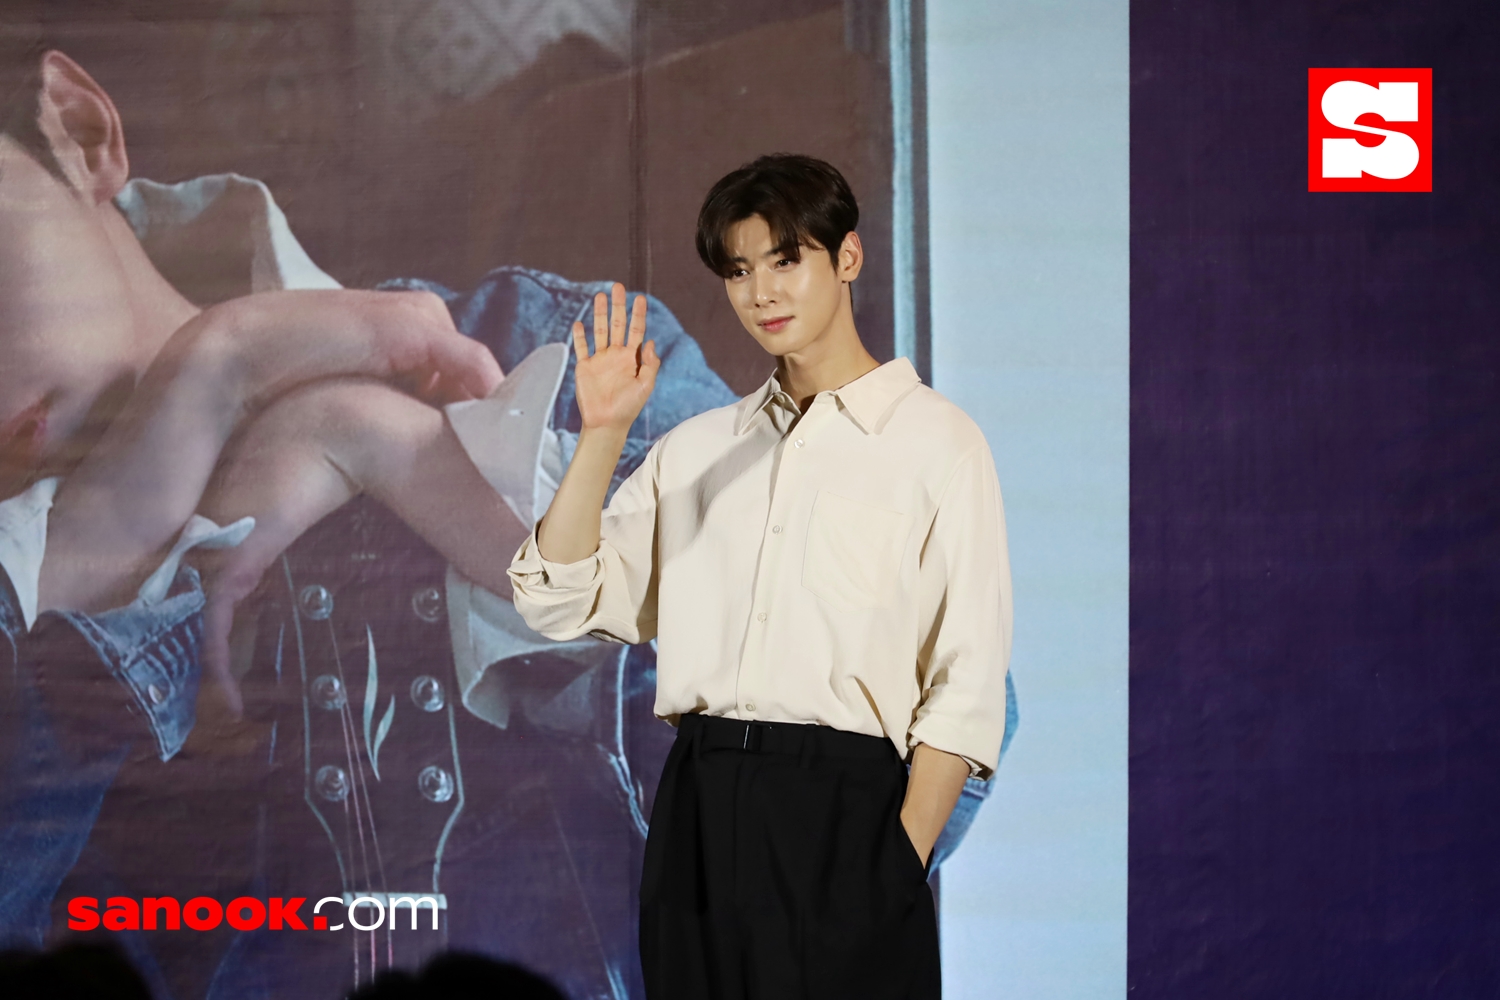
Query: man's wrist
x=604, y=437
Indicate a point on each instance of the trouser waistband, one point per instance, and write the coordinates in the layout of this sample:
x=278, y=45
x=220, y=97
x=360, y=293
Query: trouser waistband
x=712, y=732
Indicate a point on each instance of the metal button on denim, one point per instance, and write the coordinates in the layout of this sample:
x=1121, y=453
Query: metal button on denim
x=157, y=694
x=427, y=603
x=435, y=784
x=327, y=692
x=427, y=693
x=315, y=602
x=332, y=783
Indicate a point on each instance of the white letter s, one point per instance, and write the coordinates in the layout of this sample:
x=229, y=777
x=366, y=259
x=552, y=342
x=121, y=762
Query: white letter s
x=1397, y=156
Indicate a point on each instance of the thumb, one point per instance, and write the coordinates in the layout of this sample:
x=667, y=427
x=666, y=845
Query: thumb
x=648, y=356
x=650, y=364
x=230, y=587
x=220, y=689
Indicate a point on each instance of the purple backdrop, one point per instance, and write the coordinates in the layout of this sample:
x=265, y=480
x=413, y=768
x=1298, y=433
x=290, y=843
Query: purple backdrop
x=1315, y=682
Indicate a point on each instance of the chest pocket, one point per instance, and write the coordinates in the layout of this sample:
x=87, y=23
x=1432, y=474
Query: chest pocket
x=854, y=549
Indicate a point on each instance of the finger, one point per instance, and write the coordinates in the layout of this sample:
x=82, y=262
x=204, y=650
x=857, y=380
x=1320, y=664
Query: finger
x=617, y=315
x=649, y=361
x=488, y=374
x=481, y=374
x=601, y=322
x=637, y=329
x=418, y=332
x=218, y=619
x=457, y=368
x=580, y=341
x=650, y=365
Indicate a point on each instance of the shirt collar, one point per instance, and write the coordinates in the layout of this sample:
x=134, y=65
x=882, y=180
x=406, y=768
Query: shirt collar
x=218, y=237
x=868, y=399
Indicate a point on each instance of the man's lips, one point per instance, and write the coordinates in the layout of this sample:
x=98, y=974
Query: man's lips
x=772, y=325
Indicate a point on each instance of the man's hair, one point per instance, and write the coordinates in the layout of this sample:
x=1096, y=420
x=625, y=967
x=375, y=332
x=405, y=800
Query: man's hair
x=23, y=42
x=805, y=202
x=29, y=29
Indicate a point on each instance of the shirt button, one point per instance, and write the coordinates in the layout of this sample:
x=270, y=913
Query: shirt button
x=799, y=442
x=761, y=617
x=156, y=694
x=775, y=529
x=749, y=706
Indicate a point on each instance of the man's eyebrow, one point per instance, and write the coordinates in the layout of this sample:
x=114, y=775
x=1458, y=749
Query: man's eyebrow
x=781, y=251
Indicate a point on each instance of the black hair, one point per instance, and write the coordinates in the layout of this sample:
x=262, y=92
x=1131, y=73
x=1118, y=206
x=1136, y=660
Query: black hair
x=805, y=202
x=23, y=42
x=87, y=30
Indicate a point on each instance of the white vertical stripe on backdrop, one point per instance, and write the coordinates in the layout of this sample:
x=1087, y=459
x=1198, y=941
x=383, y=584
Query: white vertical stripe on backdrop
x=1028, y=140
x=903, y=258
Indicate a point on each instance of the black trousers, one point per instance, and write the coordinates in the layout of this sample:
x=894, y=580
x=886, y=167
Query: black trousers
x=777, y=868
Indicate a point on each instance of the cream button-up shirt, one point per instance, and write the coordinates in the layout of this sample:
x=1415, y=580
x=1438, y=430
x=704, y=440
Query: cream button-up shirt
x=845, y=566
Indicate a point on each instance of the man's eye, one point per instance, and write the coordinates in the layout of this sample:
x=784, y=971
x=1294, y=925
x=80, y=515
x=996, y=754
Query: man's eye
x=785, y=260
x=738, y=272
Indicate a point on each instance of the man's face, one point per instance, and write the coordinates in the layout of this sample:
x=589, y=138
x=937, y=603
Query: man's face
x=785, y=304
x=66, y=324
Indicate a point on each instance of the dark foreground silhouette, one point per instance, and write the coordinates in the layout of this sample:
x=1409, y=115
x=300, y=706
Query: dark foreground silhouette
x=78, y=971
x=460, y=976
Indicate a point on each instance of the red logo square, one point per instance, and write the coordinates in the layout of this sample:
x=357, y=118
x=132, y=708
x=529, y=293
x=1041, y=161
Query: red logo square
x=1369, y=130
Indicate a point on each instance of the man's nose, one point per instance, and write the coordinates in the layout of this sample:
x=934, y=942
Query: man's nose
x=763, y=289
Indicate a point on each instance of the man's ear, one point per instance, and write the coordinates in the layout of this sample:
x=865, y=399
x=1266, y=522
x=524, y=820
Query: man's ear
x=83, y=128
x=851, y=257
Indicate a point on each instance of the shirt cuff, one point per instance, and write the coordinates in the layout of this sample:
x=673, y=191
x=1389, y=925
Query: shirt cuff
x=507, y=436
x=488, y=633
x=23, y=547
x=530, y=568
x=151, y=650
x=942, y=734
x=199, y=533
x=23, y=542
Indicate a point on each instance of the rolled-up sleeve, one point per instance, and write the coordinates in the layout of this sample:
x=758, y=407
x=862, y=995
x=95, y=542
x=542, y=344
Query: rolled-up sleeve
x=611, y=594
x=967, y=611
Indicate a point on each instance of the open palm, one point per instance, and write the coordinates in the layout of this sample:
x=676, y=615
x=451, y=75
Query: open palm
x=616, y=380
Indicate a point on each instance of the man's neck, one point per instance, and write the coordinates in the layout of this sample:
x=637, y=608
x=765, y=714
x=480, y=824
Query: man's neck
x=158, y=308
x=834, y=359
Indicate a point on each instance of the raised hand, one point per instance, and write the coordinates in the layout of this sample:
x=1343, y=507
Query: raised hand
x=613, y=385
x=616, y=380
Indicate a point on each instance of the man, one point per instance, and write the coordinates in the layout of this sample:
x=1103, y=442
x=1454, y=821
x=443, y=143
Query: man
x=144, y=419
x=824, y=568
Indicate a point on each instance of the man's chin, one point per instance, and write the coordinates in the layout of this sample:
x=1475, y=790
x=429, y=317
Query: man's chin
x=778, y=344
